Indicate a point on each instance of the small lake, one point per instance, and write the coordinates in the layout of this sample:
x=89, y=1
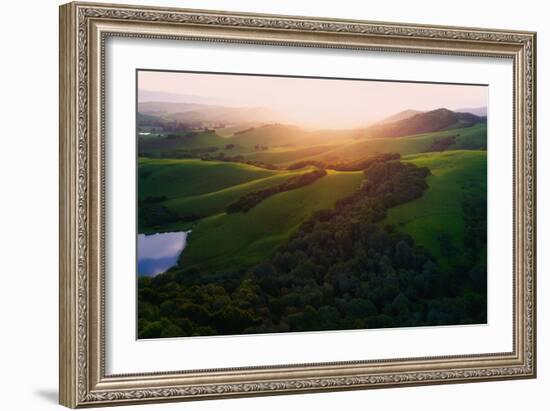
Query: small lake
x=156, y=253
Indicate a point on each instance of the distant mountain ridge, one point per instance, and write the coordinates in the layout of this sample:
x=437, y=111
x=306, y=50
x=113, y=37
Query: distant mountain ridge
x=402, y=115
x=206, y=113
x=423, y=122
x=261, y=126
x=154, y=96
x=478, y=111
x=167, y=107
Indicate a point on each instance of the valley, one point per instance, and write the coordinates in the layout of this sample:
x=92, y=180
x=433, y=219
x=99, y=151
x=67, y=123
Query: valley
x=290, y=228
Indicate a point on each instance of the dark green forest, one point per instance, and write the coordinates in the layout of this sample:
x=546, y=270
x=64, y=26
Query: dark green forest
x=344, y=268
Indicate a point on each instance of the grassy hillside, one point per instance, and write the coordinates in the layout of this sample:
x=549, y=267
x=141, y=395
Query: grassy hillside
x=284, y=155
x=281, y=144
x=178, y=178
x=268, y=135
x=344, y=148
x=215, y=202
x=181, y=141
x=241, y=239
x=474, y=137
x=455, y=175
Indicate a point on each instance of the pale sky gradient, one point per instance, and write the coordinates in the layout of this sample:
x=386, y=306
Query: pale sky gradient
x=312, y=102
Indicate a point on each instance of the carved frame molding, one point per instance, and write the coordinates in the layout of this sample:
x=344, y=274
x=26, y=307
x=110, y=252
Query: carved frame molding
x=84, y=27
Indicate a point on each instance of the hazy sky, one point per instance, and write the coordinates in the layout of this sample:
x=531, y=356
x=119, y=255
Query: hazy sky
x=310, y=102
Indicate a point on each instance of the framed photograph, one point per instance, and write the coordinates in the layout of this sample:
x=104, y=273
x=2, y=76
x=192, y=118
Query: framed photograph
x=260, y=204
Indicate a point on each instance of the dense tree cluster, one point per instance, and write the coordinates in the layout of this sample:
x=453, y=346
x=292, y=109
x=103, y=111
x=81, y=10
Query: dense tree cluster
x=343, y=269
x=357, y=165
x=363, y=163
x=250, y=200
x=475, y=241
x=246, y=130
x=155, y=216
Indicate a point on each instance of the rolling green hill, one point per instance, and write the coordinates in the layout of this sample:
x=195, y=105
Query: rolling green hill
x=181, y=141
x=284, y=135
x=214, y=202
x=241, y=239
x=284, y=156
x=178, y=178
x=474, y=137
x=283, y=144
x=268, y=135
x=343, y=148
x=456, y=175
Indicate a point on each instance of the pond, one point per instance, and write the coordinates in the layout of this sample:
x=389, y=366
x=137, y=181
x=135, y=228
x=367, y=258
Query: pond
x=156, y=253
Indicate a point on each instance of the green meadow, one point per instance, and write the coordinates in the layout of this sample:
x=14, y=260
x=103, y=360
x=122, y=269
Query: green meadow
x=214, y=202
x=241, y=239
x=454, y=175
x=280, y=145
x=474, y=137
x=174, y=178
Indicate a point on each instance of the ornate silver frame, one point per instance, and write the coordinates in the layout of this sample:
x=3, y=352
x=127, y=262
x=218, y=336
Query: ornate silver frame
x=83, y=30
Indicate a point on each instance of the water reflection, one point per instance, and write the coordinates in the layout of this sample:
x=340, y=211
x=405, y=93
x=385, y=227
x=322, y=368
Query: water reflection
x=156, y=253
